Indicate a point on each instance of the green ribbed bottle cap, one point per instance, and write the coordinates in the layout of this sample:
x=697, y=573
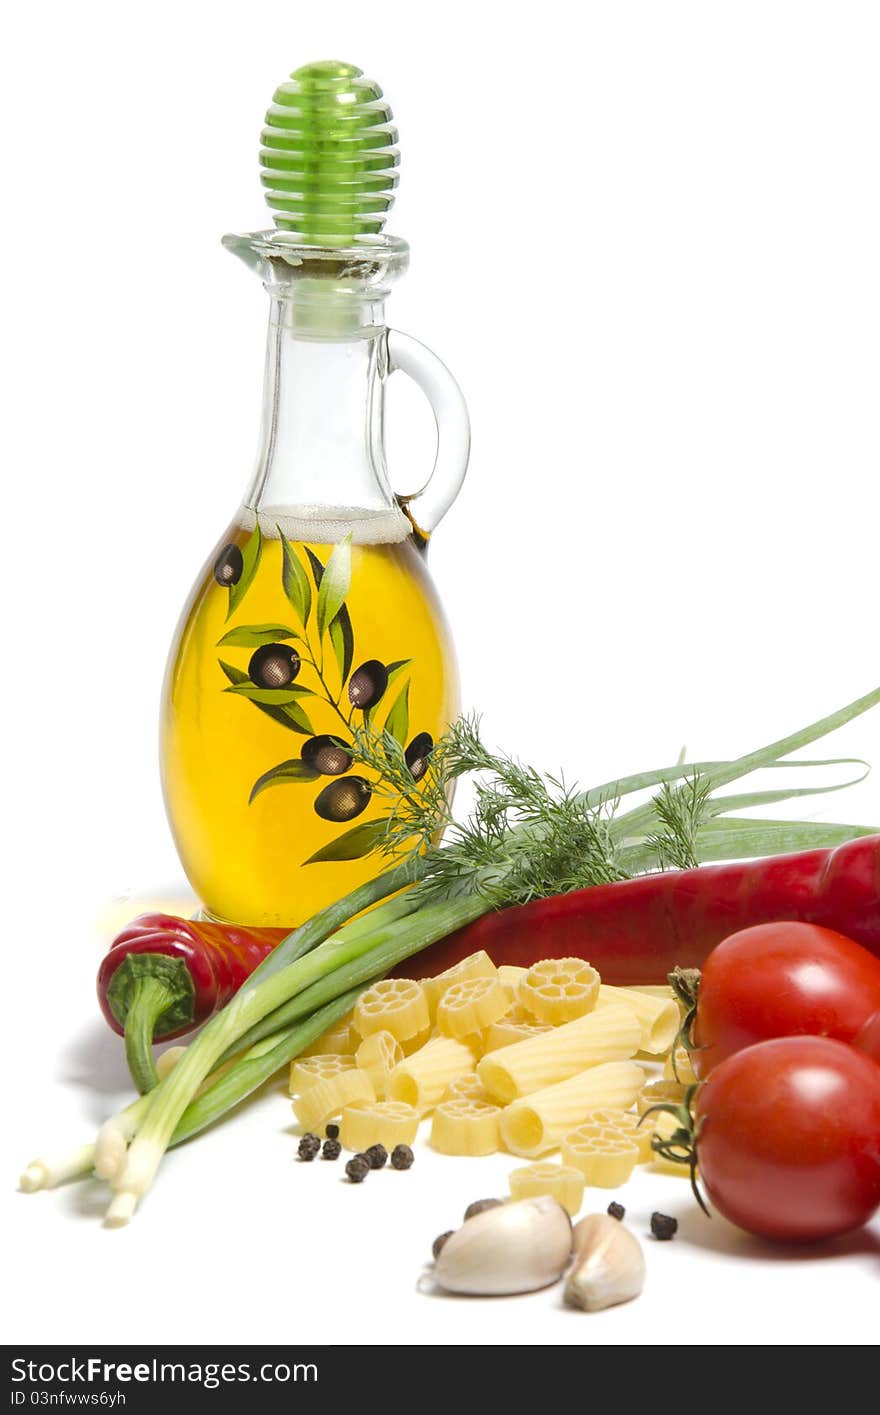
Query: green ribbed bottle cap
x=329, y=155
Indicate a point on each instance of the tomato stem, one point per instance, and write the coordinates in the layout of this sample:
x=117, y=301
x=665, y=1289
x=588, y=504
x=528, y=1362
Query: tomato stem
x=681, y=1146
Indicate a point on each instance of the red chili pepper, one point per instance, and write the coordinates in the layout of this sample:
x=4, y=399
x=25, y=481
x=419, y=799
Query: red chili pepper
x=638, y=930
x=163, y=975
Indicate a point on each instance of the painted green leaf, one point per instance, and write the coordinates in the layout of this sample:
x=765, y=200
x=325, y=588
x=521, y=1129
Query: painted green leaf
x=294, y=770
x=298, y=720
x=342, y=639
x=251, y=552
x=335, y=583
x=397, y=721
x=295, y=580
x=353, y=845
x=288, y=716
x=275, y=697
x=395, y=669
x=317, y=567
x=248, y=636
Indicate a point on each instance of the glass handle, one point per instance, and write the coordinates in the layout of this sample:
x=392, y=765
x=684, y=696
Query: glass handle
x=427, y=506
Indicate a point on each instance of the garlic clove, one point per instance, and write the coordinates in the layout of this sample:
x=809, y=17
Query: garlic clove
x=609, y=1265
x=515, y=1247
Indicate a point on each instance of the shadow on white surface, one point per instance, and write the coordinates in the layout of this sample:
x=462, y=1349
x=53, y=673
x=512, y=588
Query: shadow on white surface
x=716, y=1235
x=95, y=1060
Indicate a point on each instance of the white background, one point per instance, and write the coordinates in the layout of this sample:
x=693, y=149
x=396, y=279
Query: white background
x=645, y=238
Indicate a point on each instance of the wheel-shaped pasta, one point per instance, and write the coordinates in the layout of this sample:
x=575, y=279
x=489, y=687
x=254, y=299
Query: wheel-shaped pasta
x=612, y=1034
x=466, y=1087
x=559, y=989
x=466, y=1127
x=469, y=1006
x=378, y=1055
x=662, y=1093
x=395, y=1005
x=327, y=1098
x=342, y=1039
x=563, y=1182
x=605, y=1157
x=537, y=1123
x=659, y=1016
x=515, y=1026
x=421, y=1079
x=305, y=1071
x=627, y=1123
x=476, y=965
x=510, y=976
x=388, y=1123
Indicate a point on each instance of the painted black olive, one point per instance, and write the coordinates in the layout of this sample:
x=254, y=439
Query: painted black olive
x=326, y=755
x=417, y=754
x=273, y=666
x=343, y=800
x=367, y=684
x=228, y=566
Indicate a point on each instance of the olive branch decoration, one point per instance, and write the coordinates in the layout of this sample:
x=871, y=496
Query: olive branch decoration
x=290, y=664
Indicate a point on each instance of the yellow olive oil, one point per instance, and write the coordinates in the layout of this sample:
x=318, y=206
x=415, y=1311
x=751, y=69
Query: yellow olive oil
x=267, y=677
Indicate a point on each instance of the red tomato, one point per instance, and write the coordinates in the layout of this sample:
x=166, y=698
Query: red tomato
x=781, y=980
x=868, y=1038
x=788, y=1138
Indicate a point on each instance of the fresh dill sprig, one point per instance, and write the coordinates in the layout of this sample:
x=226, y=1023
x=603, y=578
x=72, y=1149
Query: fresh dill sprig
x=681, y=811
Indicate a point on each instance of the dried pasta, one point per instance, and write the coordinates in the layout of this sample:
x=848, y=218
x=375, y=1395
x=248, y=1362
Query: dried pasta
x=562, y=1182
x=466, y=1087
x=469, y=1006
x=378, y=1055
x=466, y=1127
x=678, y=1067
x=627, y=1123
x=342, y=1039
x=662, y=1093
x=395, y=1005
x=659, y=1016
x=388, y=1123
x=605, y=1157
x=611, y=1034
x=537, y=1123
x=305, y=1071
x=510, y=977
x=421, y=1079
x=328, y=1097
x=514, y=1026
x=559, y=989
x=476, y=965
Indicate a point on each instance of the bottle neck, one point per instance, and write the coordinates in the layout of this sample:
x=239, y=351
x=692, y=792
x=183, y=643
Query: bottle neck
x=321, y=462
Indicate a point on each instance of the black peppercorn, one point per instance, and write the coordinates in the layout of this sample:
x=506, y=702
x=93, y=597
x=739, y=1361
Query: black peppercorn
x=417, y=754
x=367, y=684
x=309, y=1146
x=402, y=1157
x=479, y=1206
x=274, y=666
x=228, y=566
x=326, y=755
x=331, y=1150
x=342, y=800
x=357, y=1168
x=439, y=1241
x=616, y=1210
x=663, y=1226
x=331, y=1131
x=377, y=1155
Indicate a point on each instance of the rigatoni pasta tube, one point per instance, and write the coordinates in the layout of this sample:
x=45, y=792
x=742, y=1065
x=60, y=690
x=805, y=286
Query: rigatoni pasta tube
x=422, y=1078
x=659, y=1016
x=611, y=1034
x=537, y=1123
